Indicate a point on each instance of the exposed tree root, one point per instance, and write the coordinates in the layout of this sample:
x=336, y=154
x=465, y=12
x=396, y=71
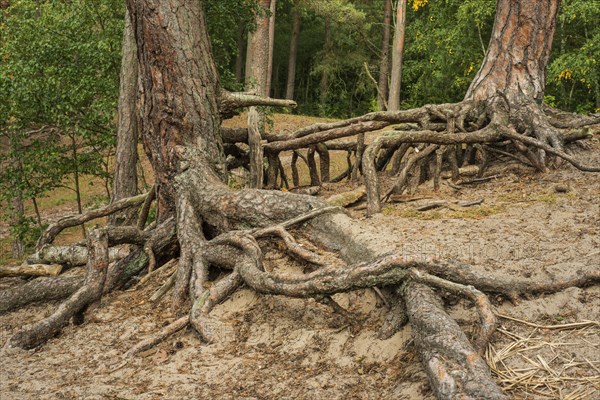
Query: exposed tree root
x=41, y=289
x=71, y=256
x=164, y=333
x=221, y=228
x=207, y=327
x=454, y=367
x=67, y=222
x=38, y=332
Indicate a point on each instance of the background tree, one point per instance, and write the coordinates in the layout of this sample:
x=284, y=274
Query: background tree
x=384, y=65
x=397, y=56
x=125, y=183
x=291, y=71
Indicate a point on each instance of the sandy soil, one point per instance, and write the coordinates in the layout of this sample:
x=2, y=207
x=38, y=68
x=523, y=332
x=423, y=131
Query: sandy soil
x=277, y=348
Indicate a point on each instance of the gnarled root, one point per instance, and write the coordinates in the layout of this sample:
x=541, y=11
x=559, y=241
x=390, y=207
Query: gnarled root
x=454, y=367
x=37, y=333
x=480, y=128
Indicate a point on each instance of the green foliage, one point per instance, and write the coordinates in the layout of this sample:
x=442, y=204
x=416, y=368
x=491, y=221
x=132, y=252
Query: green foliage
x=444, y=48
x=59, y=80
x=574, y=70
x=27, y=231
x=224, y=19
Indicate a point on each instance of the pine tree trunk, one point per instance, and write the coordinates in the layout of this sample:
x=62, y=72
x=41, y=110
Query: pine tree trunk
x=179, y=96
x=271, y=47
x=384, y=65
x=518, y=53
x=257, y=59
x=397, y=57
x=291, y=78
x=125, y=175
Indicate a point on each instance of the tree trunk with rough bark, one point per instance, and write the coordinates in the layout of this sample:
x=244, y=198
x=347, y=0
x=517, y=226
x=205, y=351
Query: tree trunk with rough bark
x=125, y=174
x=272, y=9
x=17, y=210
x=518, y=53
x=384, y=64
x=291, y=78
x=397, y=57
x=257, y=67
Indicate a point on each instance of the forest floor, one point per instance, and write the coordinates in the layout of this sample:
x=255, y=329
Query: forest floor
x=273, y=347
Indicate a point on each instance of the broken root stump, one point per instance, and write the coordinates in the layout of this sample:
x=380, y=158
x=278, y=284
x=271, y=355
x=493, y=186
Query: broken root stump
x=30, y=270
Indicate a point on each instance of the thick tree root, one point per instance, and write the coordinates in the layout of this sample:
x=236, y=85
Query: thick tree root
x=454, y=367
x=41, y=289
x=39, y=332
x=487, y=319
x=71, y=256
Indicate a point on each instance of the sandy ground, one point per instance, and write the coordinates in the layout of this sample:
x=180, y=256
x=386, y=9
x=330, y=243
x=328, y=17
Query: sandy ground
x=277, y=348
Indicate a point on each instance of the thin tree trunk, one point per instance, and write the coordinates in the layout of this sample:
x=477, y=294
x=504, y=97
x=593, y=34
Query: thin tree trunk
x=76, y=178
x=384, y=66
x=38, y=215
x=17, y=218
x=324, y=84
x=271, y=47
x=239, y=58
x=397, y=56
x=125, y=175
x=257, y=66
x=291, y=78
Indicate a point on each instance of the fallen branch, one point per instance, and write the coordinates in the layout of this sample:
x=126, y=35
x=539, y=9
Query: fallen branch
x=478, y=180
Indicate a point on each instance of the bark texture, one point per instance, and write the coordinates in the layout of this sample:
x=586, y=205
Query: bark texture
x=384, y=64
x=125, y=174
x=291, y=78
x=517, y=56
x=397, y=56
